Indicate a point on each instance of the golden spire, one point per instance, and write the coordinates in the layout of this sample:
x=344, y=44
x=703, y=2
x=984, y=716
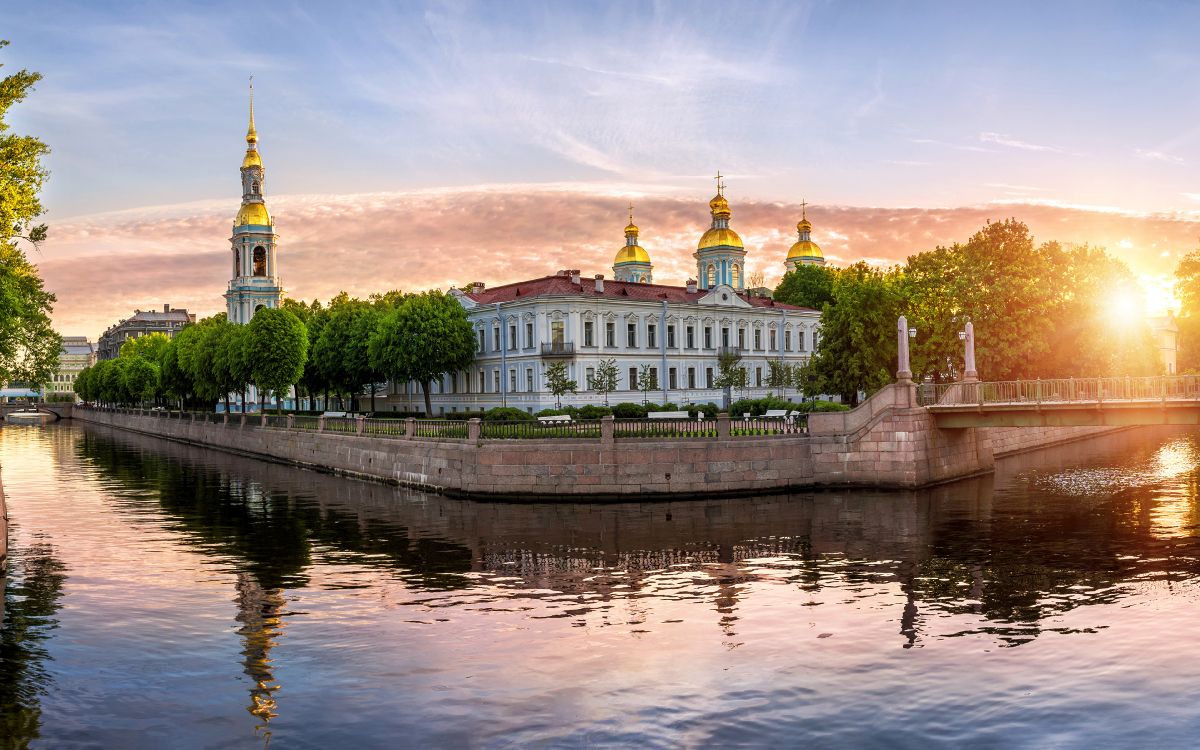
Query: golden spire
x=251, y=133
x=631, y=229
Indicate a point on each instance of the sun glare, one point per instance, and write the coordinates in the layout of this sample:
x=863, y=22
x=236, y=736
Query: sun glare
x=1126, y=307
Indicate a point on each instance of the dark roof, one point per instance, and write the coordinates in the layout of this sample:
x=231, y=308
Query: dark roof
x=561, y=286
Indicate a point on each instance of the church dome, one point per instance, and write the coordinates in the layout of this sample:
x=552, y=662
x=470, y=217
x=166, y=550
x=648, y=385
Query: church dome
x=252, y=213
x=632, y=254
x=720, y=237
x=805, y=250
x=252, y=159
x=719, y=207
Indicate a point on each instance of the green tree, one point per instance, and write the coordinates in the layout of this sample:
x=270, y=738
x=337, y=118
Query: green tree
x=29, y=347
x=730, y=374
x=423, y=338
x=342, y=349
x=807, y=286
x=559, y=383
x=231, y=364
x=606, y=378
x=276, y=347
x=1187, y=291
x=173, y=381
x=139, y=379
x=857, y=348
x=647, y=381
x=780, y=375
x=149, y=347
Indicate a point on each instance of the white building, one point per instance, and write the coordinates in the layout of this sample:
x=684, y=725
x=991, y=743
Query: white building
x=676, y=331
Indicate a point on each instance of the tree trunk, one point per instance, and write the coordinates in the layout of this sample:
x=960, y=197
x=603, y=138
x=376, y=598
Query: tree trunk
x=428, y=403
x=372, y=398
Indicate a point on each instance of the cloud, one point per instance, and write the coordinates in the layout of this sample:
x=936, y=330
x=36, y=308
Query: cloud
x=1011, y=142
x=1158, y=156
x=102, y=267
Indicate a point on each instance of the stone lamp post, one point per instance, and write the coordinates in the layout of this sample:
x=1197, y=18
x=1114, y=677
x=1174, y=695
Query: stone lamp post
x=903, y=334
x=967, y=336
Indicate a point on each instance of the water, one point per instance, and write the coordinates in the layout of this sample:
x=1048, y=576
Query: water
x=166, y=596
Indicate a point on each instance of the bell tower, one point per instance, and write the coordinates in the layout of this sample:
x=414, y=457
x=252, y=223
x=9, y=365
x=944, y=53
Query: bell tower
x=254, y=281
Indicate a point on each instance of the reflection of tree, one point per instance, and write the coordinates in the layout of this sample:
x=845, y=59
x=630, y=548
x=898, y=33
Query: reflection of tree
x=30, y=602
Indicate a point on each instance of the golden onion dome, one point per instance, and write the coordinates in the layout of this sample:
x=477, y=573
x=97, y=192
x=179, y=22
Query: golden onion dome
x=632, y=254
x=805, y=249
x=719, y=207
x=252, y=159
x=631, y=228
x=252, y=213
x=720, y=237
x=804, y=225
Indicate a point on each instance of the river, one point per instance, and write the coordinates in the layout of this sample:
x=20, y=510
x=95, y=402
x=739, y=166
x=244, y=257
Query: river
x=161, y=595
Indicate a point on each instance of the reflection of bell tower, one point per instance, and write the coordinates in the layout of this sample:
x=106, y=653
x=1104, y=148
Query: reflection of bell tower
x=254, y=282
x=259, y=611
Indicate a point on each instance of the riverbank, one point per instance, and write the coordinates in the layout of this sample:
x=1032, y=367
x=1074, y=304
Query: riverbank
x=885, y=444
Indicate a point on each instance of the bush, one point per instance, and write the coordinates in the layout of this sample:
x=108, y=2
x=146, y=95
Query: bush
x=594, y=412
x=760, y=406
x=662, y=407
x=463, y=415
x=811, y=406
x=569, y=411
x=59, y=398
x=506, y=414
x=627, y=410
x=709, y=410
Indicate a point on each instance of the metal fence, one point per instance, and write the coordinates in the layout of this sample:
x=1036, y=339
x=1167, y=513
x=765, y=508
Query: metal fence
x=528, y=429
x=1061, y=390
x=441, y=428
x=754, y=426
x=664, y=428
x=384, y=427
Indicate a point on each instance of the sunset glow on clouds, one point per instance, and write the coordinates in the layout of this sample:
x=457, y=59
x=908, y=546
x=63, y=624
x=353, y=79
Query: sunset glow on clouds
x=425, y=144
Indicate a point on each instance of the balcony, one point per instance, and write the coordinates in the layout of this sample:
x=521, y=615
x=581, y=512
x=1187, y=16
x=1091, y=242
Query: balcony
x=558, y=349
x=731, y=351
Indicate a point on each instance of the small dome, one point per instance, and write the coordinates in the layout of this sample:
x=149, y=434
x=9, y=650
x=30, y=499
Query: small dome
x=804, y=225
x=805, y=249
x=252, y=213
x=719, y=207
x=632, y=254
x=720, y=237
x=252, y=159
x=631, y=228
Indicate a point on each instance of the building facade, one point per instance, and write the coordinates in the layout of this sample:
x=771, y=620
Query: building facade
x=76, y=354
x=673, y=334
x=169, y=320
x=254, y=278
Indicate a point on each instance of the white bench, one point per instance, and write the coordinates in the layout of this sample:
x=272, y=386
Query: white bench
x=556, y=419
x=336, y=414
x=668, y=415
x=779, y=413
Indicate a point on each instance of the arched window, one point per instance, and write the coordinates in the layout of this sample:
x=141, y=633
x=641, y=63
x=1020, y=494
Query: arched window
x=737, y=276
x=260, y=261
x=254, y=187
x=237, y=262
x=712, y=275
x=258, y=307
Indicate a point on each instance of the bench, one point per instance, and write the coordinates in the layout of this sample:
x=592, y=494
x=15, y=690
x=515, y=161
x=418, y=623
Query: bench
x=335, y=414
x=779, y=413
x=668, y=415
x=556, y=419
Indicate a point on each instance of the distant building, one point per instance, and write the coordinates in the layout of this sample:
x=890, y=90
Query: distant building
x=77, y=353
x=1166, y=336
x=167, y=320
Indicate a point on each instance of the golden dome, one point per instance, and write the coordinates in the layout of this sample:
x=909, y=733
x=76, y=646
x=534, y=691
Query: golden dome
x=719, y=207
x=632, y=254
x=718, y=237
x=804, y=225
x=252, y=213
x=631, y=229
x=805, y=249
x=252, y=159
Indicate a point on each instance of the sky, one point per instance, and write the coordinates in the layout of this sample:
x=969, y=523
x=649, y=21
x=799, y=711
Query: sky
x=418, y=145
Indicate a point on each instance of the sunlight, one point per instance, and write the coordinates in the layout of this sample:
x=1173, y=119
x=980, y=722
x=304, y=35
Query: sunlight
x=1160, y=294
x=1125, y=306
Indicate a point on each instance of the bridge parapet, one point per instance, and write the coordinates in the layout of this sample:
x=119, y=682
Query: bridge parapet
x=1060, y=391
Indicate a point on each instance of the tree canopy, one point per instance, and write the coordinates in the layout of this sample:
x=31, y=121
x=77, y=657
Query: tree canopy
x=423, y=338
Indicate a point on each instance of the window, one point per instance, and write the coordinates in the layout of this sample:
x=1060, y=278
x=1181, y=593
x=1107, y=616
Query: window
x=708, y=337
x=631, y=335
x=529, y=379
x=712, y=275
x=691, y=377
x=787, y=341
x=254, y=187
x=741, y=338
x=481, y=341
x=651, y=332
x=482, y=382
x=529, y=335
x=800, y=335
x=557, y=332
x=512, y=336
x=772, y=340
x=588, y=377
x=653, y=377
x=758, y=338
x=737, y=276
x=670, y=337
x=708, y=377
x=260, y=261
x=672, y=381
x=512, y=381
x=725, y=336
x=589, y=338
x=691, y=337
x=610, y=333
x=758, y=376
x=633, y=378
x=496, y=338
x=496, y=380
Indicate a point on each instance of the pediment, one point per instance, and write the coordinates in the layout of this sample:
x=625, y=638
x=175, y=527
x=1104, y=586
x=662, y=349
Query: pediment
x=722, y=295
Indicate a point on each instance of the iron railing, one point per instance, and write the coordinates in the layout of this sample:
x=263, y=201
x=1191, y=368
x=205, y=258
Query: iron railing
x=755, y=426
x=441, y=428
x=664, y=428
x=384, y=427
x=1060, y=391
x=526, y=429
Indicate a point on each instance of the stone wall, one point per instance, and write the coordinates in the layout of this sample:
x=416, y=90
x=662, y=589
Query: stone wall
x=1008, y=441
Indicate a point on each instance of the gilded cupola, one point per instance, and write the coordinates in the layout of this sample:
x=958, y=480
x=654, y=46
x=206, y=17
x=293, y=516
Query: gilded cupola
x=804, y=251
x=632, y=262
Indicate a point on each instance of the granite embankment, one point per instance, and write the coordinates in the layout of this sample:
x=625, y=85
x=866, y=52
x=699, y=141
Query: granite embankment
x=888, y=442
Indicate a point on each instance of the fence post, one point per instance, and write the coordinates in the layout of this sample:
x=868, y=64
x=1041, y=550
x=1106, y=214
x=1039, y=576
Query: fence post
x=607, y=428
x=262, y=420
x=291, y=422
x=225, y=418
x=722, y=426
x=410, y=428
x=359, y=423
x=474, y=429
x=1039, y=391
x=321, y=423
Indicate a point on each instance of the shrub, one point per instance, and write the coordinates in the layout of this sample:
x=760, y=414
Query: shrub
x=811, y=406
x=709, y=410
x=463, y=415
x=662, y=407
x=627, y=410
x=594, y=412
x=506, y=414
x=570, y=411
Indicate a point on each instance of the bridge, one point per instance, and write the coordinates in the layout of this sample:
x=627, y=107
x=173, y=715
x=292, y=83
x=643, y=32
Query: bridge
x=1064, y=402
x=56, y=410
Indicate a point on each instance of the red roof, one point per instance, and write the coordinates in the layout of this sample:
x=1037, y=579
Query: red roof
x=561, y=286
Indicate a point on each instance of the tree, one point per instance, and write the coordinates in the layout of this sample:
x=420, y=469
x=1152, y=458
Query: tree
x=780, y=375
x=423, y=338
x=172, y=380
x=149, y=347
x=647, y=381
x=606, y=378
x=559, y=383
x=139, y=378
x=1187, y=291
x=276, y=346
x=730, y=373
x=342, y=349
x=230, y=364
x=857, y=349
x=29, y=347
x=807, y=286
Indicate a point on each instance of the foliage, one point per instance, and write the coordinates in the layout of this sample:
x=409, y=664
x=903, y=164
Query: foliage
x=1187, y=291
x=276, y=346
x=558, y=382
x=506, y=414
x=149, y=347
x=139, y=378
x=591, y=411
x=807, y=286
x=782, y=375
x=606, y=378
x=647, y=381
x=857, y=348
x=730, y=373
x=423, y=338
x=628, y=410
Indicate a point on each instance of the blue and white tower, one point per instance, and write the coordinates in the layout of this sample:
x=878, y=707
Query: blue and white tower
x=255, y=281
x=720, y=256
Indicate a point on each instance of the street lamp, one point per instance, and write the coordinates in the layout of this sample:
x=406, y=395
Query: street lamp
x=967, y=336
